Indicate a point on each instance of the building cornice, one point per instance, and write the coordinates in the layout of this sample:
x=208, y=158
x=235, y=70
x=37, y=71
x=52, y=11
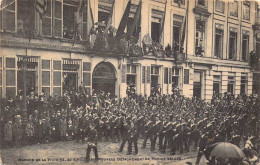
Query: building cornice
x=55, y=47
x=219, y=62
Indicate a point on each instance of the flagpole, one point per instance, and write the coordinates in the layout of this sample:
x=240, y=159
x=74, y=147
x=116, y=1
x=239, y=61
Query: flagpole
x=187, y=31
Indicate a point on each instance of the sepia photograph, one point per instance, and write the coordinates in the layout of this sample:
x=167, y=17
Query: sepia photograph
x=131, y=82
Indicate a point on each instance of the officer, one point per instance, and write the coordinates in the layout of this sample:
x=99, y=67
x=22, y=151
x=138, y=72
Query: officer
x=133, y=139
x=202, y=145
x=148, y=132
x=125, y=132
x=92, y=142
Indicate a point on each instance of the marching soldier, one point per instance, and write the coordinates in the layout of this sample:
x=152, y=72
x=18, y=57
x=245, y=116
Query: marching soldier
x=125, y=133
x=133, y=139
x=92, y=142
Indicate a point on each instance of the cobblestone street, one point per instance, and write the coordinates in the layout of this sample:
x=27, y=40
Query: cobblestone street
x=73, y=153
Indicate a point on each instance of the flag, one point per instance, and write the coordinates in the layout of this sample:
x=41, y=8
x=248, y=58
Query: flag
x=162, y=23
x=124, y=20
x=183, y=32
x=137, y=19
x=109, y=18
x=90, y=19
x=41, y=7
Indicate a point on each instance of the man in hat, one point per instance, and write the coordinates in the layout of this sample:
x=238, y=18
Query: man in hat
x=92, y=142
x=17, y=130
x=125, y=133
x=63, y=127
x=133, y=138
x=29, y=129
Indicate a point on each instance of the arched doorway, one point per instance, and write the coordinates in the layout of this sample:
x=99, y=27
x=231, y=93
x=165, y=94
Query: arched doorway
x=104, y=78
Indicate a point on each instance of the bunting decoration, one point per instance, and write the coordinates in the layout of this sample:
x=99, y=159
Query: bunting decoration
x=183, y=33
x=90, y=18
x=162, y=23
x=137, y=19
x=41, y=7
x=109, y=18
x=124, y=20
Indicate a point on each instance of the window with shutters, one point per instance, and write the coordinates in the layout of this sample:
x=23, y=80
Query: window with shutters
x=233, y=8
x=157, y=17
x=7, y=13
x=245, y=46
x=25, y=17
x=219, y=32
x=57, y=77
x=46, y=77
x=47, y=20
x=244, y=82
x=246, y=10
x=57, y=18
x=232, y=43
x=10, y=69
x=87, y=76
x=175, y=77
x=220, y=6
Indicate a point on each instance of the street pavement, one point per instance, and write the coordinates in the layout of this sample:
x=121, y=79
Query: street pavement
x=70, y=152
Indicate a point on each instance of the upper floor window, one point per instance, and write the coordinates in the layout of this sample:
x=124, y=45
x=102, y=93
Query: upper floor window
x=202, y=2
x=157, y=17
x=131, y=19
x=246, y=10
x=232, y=43
x=180, y=2
x=245, y=45
x=69, y=21
x=220, y=6
x=7, y=14
x=104, y=7
x=258, y=9
x=25, y=17
x=177, y=26
x=233, y=9
x=219, y=40
x=200, y=37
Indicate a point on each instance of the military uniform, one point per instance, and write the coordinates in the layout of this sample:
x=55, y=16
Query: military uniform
x=92, y=143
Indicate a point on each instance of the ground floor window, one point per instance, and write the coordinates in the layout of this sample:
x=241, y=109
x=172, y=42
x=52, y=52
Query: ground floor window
x=231, y=84
x=243, y=87
x=175, y=78
x=197, y=84
x=27, y=73
x=131, y=79
x=216, y=85
x=155, y=85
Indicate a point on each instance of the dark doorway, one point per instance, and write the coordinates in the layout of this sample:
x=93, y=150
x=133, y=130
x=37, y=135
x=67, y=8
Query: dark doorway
x=104, y=78
x=30, y=82
x=70, y=82
x=197, y=84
